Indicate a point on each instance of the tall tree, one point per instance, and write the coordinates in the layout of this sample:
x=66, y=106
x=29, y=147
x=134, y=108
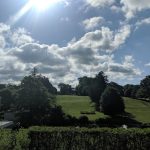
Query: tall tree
x=97, y=87
x=34, y=97
x=83, y=86
x=111, y=102
x=145, y=86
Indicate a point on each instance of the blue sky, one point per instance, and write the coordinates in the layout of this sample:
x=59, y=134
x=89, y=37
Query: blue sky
x=68, y=39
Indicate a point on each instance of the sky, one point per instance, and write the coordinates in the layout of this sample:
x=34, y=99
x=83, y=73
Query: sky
x=68, y=39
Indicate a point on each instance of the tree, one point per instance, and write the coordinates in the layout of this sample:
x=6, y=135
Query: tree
x=83, y=86
x=6, y=98
x=118, y=87
x=97, y=87
x=65, y=89
x=111, y=102
x=131, y=90
x=45, y=81
x=34, y=98
x=141, y=93
x=145, y=86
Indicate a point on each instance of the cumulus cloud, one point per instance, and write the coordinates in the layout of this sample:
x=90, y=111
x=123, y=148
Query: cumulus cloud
x=145, y=21
x=100, y=3
x=36, y=53
x=92, y=23
x=100, y=40
x=85, y=56
x=20, y=37
x=131, y=7
x=2, y=42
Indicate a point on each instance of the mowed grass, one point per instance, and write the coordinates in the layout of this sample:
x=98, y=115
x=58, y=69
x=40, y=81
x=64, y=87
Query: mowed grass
x=73, y=105
x=139, y=109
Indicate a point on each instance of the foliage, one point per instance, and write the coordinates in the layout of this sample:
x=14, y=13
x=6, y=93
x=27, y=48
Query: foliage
x=145, y=86
x=97, y=87
x=33, y=95
x=34, y=101
x=65, y=89
x=131, y=90
x=118, y=87
x=2, y=86
x=83, y=138
x=14, y=140
x=8, y=97
x=83, y=86
x=111, y=102
x=45, y=81
x=75, y=138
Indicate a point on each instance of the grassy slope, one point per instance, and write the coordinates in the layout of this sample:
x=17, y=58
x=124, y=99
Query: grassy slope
x=73, y=105
x=139, y=109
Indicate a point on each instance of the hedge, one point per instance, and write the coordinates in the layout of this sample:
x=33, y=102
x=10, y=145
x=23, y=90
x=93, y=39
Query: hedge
x=12, y=140
x=57, y=138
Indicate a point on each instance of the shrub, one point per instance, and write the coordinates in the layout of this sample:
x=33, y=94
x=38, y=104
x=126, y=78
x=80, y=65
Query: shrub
x=111, y=102
x=56, y=138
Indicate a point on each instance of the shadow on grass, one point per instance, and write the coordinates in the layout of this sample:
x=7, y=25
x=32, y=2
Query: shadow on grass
x=119, y=120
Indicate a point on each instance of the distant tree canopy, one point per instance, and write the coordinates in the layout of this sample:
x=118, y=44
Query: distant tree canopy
x=111, y=102
x=131, y=90
x=145, y=86
x=65, y=89
x=83, y=87
x=2, y=86
x=118, y=87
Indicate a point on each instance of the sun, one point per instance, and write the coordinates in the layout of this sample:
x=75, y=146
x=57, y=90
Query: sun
x=41, y=5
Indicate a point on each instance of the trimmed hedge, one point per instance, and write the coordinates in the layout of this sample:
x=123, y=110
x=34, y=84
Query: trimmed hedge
x=12, y=140
x=57, y=138
x=89, y=139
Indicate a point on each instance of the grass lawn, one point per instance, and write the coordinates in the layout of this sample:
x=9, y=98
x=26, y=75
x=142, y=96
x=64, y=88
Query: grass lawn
x=139, y=109
x=73, y=105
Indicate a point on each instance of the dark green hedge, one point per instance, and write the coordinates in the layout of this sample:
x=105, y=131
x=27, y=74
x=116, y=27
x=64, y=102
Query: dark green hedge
x=11, y=140
x=89, y=139
x=48, y=138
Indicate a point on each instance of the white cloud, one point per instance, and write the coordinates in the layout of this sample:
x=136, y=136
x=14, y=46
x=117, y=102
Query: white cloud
x=92, y=23
x=147, y=65
x=100, y=3
x=131, y=7
x=4, y=28
x=121, y=36
x=2, y=42
x=20, y=37
x=80, y=57
x=145, y=21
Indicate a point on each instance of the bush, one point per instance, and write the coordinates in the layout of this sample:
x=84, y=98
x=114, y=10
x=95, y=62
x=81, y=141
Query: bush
x=43, y=138
x=111, y=102
x=10, y=140
x=83, y=120
x=89, y=139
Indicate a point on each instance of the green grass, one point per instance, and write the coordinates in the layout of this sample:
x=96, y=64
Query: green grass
x=73, y=105
x=139, y=109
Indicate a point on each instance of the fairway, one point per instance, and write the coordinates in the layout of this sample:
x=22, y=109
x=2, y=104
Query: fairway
x=73, y=105
x=139, y=109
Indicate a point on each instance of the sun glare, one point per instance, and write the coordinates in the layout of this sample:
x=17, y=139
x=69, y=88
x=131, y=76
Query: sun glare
x=43, y=4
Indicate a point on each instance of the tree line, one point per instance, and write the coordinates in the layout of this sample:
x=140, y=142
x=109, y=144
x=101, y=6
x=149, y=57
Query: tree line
x=34, y=99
